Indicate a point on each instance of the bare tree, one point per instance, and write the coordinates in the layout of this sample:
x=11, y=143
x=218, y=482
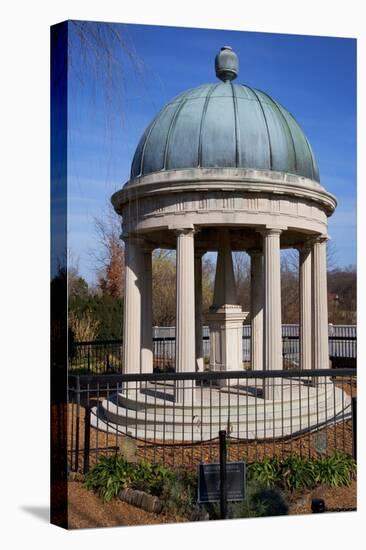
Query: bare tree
x=104, y=55
x=208, y=276
x=110, y=256
x=342, y=298
x=291, y=257
x=163, y=284
x=241, y=262
x=290, y=286
x=84, y=327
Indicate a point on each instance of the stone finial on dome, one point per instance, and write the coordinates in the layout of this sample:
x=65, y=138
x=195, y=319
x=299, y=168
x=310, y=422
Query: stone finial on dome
x=226, y=64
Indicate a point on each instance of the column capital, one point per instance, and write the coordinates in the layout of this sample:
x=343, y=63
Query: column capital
x=318, y=239
x=183, y=230
x=305, y=246
x=271, y=230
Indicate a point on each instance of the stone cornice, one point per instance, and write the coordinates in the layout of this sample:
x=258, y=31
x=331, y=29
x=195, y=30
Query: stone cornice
x=224, y=179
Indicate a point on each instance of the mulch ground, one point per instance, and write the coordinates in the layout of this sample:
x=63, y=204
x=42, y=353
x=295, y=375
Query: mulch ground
x=86, y=510
x=336, y=499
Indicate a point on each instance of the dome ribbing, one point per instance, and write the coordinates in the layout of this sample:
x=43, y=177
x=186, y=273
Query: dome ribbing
x=224, y=125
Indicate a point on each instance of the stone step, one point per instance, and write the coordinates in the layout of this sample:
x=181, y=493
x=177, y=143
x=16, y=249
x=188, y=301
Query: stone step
x=170, y=424
x=123, y=417
x=120, y=415
x=306, y=394
x=247, y=416
x=263, y=410
x=203, y=433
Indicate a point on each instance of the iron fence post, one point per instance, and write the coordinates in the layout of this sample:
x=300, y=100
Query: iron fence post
x=77, y=431
x=87, y=439
x=354, y=427
x=223, y=476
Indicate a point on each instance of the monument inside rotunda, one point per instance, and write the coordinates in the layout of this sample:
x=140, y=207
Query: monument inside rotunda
x=223, y=167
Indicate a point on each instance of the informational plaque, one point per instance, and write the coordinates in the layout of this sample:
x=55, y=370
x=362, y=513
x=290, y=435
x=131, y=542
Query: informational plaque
x=209, y=482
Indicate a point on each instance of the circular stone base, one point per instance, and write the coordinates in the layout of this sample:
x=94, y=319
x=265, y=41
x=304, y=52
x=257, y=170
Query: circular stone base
x=150, y=412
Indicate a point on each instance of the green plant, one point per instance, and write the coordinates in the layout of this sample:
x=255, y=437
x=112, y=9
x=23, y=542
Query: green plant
x=150, y=477
x=178, y=489
x=266, y=472
x=295, y=472
x=107, y=310
x=259, y=502
x=298, y=472
x=179, y=494
x=269, y=502
x=114, y=473
x=109, y=476
x=336, y=470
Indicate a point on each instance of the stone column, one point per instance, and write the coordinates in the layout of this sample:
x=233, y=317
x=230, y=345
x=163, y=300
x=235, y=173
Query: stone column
x=257, y=295
x=198, y=308
x=185, y=350
x=272, y=323
x=132, y=306
x=146, y=326
x=320, y=304
x=305, y=336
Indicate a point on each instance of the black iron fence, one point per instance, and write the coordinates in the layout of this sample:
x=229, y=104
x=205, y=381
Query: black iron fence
x=105, y=357
x=97, y=357
x=175, y=419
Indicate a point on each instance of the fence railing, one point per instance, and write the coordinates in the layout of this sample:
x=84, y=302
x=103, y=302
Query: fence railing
x=103, y=357
x=98, y=357
x=265, y=413
x=342, y=341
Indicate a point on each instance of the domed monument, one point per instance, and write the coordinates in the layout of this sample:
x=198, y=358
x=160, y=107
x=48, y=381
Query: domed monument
x=224, y=167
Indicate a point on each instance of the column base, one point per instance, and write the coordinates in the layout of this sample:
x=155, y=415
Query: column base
x=226, y=339
x=200, y=363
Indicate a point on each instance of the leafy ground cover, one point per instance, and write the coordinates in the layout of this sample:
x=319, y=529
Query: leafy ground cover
x=272, y=484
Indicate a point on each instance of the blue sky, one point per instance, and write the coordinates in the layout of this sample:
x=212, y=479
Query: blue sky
x=109, y=107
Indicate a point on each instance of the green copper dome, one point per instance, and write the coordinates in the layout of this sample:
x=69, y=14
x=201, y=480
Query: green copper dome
x=224, y=125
